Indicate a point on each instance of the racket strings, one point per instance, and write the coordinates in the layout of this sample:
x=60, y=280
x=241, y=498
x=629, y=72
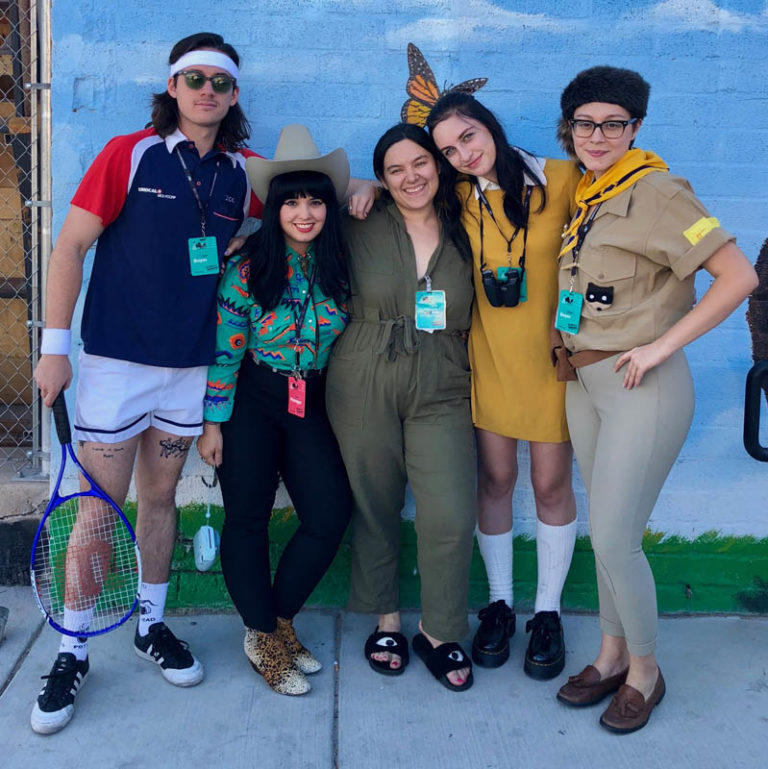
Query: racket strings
x=86, y=561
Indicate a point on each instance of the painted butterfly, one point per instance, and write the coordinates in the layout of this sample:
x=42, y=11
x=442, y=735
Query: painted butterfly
x=423, y=91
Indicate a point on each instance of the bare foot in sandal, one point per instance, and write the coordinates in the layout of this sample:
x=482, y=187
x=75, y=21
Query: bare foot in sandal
x=456, y=677
x=387, y=661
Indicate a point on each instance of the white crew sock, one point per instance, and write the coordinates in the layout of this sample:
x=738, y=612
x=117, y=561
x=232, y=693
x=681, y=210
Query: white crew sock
x=554, y=551
x=496, y=550
x=152, y=603
x=76, y=620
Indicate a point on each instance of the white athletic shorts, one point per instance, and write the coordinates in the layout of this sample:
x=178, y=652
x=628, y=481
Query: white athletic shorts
x=117, y=399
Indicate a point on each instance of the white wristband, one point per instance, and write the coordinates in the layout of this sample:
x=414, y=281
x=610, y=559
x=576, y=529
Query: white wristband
x=56, y=341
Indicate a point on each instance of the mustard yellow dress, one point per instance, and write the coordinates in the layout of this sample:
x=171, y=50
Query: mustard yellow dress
x=514, y=389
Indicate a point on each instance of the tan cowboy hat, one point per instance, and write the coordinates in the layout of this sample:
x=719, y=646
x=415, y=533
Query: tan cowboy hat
x=297, y=151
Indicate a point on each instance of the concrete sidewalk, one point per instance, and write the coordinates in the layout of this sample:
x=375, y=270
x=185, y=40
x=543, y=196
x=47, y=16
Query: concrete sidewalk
x=715, y=714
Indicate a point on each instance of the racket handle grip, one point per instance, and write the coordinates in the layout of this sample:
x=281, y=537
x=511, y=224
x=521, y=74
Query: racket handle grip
x=61, y=419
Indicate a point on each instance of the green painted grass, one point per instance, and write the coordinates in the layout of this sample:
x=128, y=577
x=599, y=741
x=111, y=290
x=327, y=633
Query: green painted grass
x=711, y=573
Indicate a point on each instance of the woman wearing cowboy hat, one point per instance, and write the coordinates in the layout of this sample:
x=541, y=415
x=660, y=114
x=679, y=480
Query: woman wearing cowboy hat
x=281, y=306
x=626, y=310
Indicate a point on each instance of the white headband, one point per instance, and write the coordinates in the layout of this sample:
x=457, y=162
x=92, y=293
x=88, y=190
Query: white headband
x=205, y=58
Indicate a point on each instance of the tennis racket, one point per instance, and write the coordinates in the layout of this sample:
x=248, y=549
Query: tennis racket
x=85, y=565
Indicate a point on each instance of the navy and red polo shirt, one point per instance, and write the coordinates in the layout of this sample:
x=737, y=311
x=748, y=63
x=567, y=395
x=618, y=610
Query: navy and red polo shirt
x=143, y=304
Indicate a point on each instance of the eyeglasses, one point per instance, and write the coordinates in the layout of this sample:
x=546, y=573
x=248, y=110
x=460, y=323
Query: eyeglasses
x=611, y=129
x=196, y=80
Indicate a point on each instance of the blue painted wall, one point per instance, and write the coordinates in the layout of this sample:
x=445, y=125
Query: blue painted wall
x=340, y=67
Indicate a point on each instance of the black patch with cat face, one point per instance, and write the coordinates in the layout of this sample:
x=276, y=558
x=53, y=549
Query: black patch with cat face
x=600, y=297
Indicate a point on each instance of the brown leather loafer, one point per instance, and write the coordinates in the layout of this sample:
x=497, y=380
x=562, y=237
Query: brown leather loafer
x=629, y=710
x=588, y=688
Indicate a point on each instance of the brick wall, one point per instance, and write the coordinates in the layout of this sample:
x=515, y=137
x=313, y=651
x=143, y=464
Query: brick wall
x=340, y=67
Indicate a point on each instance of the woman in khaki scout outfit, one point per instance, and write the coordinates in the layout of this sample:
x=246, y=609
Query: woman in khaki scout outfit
x=626, y=310
x=514, y=206
x=398, y=400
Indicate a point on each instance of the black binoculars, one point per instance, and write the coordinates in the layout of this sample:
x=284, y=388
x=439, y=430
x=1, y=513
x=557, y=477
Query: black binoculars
x=504, y=292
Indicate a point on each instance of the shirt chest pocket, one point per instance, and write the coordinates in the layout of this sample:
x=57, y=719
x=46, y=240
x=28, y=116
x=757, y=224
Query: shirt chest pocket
x=607, y=282
x=227, y=201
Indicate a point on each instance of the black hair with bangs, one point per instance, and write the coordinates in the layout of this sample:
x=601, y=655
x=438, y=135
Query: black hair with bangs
x=266, y=247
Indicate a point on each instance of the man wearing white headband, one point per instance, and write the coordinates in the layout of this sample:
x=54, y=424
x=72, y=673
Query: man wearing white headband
x=163, y=203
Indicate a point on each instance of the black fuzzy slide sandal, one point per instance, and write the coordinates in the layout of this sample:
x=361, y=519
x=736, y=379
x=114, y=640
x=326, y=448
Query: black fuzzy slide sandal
x=442, y=660
x=391, y=642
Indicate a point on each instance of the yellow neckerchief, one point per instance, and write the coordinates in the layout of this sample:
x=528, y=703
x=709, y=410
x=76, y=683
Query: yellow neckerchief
x=633, y=165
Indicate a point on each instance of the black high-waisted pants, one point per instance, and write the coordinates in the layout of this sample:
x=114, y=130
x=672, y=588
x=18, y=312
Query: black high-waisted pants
x=261, y=439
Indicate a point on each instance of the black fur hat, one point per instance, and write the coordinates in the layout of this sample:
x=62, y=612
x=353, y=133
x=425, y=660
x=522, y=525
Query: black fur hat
x=606, y=84
x=611, y=85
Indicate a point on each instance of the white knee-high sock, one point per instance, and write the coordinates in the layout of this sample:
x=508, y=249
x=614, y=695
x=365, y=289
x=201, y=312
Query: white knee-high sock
x=554, y=551
x=152, y=603
x=496, y=550
x=76, y=620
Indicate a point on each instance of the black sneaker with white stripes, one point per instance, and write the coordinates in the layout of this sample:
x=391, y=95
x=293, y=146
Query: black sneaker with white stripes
x=55, y=704
x=161, y=646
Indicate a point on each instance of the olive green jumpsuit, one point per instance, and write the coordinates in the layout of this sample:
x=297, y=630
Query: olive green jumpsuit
x=398, y=401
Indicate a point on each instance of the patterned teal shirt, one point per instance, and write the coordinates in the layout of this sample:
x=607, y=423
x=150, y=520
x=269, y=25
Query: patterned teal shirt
x=270, y=338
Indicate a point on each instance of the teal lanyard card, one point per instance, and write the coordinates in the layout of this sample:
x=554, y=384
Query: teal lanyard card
x=203, y=256
x=430, y=310
x=568, y=315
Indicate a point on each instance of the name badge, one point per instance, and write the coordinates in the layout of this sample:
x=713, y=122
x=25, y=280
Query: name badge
x=569, y=312
x=430, y=311
x=297, y=396
x=203, y=256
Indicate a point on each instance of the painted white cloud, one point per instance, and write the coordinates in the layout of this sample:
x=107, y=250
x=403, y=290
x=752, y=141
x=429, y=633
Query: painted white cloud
x=693, y=15
x=472, y=17
x=482, y=19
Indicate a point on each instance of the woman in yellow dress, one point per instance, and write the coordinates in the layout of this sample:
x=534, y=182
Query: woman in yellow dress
x=515, y=206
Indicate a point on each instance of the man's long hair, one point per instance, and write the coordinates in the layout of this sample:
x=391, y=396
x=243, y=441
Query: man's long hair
x=234, y=128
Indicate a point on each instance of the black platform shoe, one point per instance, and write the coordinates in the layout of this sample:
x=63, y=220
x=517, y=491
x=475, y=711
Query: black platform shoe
x=490, y=646
x=545, y=657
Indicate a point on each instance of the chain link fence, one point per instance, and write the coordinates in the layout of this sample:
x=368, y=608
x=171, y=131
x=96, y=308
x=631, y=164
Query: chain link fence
x=24, y=222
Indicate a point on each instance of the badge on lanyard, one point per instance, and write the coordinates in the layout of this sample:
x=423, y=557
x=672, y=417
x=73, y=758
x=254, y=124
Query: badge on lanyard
x=430, y=310
x=203, y=251
x=568, y=315
x=297, y=396
x=203, y=256
x=297, y=386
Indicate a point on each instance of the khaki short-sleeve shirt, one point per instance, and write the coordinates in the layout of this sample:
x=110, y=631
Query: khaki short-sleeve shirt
x=637, y=264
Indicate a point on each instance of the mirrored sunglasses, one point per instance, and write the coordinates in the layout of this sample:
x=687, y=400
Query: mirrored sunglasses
x=196, y=80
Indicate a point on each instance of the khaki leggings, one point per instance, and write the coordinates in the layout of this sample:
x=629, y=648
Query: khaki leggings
x=626, y=442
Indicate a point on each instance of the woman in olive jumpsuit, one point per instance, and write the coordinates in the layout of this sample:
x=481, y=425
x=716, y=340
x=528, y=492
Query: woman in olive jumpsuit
x=398, y=401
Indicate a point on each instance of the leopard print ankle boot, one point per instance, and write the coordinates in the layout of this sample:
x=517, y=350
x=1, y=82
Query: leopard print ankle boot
x=269, y=657
x=303, y=658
